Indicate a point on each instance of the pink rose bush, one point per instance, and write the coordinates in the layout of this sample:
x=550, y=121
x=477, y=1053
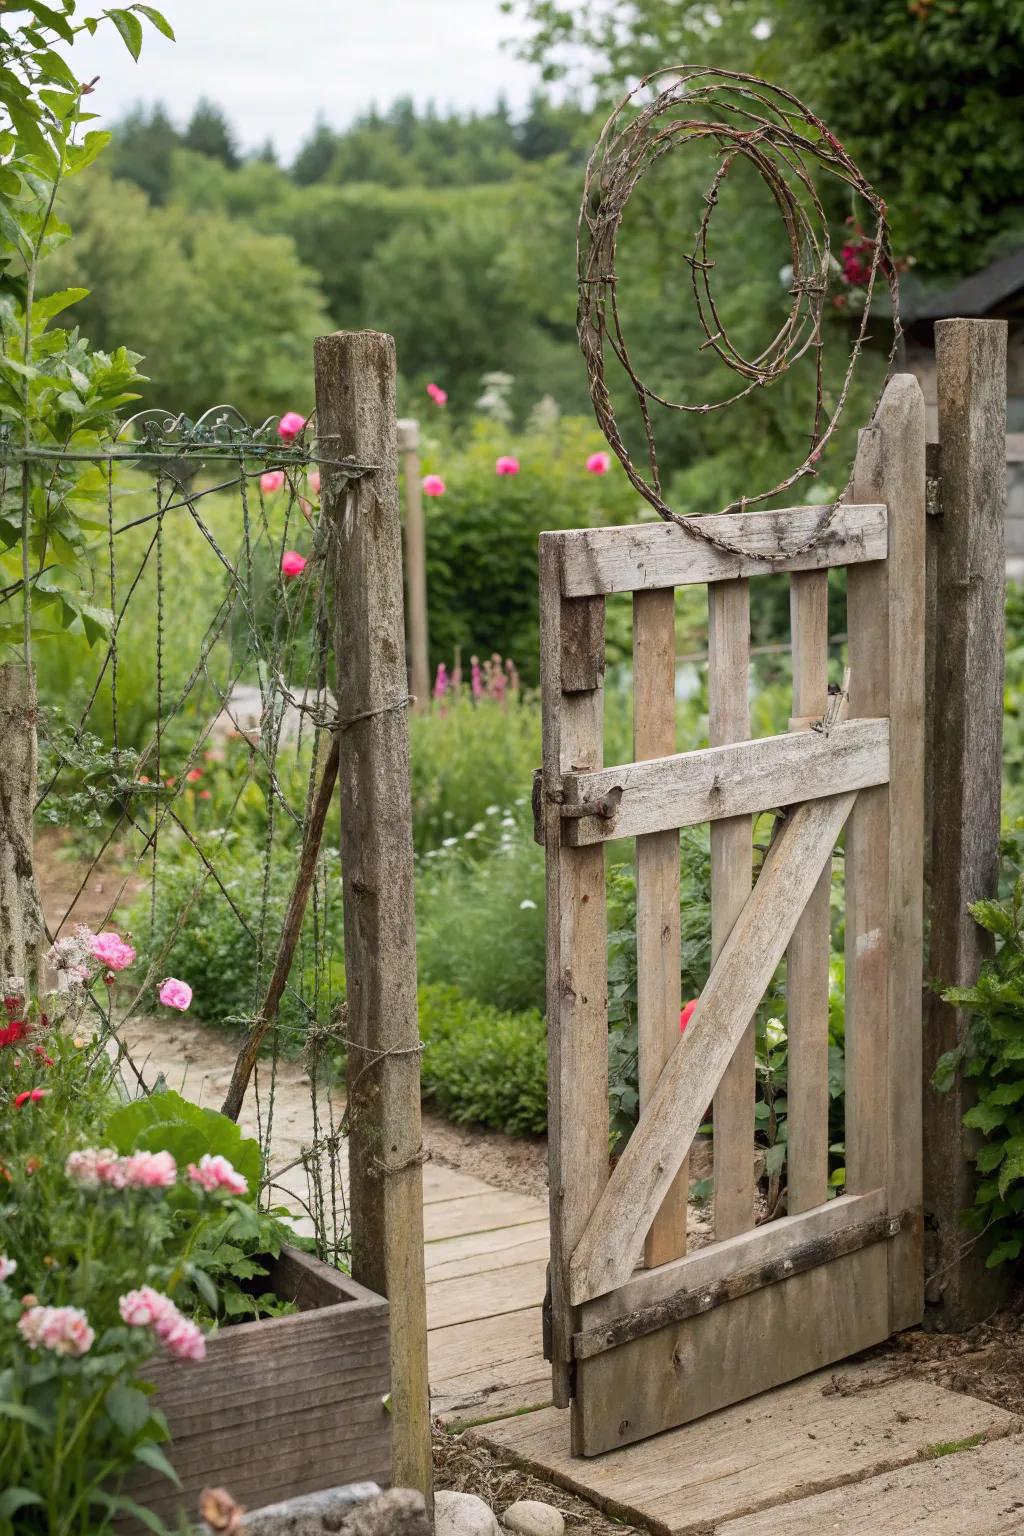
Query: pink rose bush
x=437, y=394
x=433, y=485
x=599, y=463
x=292, y=563
x=506, y=464
x=272, y=481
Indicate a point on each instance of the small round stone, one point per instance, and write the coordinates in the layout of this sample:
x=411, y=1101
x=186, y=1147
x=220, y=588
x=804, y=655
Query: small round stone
x=529, y=1517
x=463, y=1514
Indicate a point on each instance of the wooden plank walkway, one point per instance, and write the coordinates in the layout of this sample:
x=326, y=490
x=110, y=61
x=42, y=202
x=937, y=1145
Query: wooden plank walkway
x=856, y=1449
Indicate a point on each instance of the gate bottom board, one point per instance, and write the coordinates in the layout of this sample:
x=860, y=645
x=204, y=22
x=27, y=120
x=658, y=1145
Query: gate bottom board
x=736, y=1350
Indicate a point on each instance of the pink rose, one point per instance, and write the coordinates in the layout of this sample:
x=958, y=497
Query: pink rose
x=599, y=463
x=272, y=480
x=62, y=1330
x=687, y=1014
x=506, y=465
x=433, y=485
x=175, y=993
x=180, y=1337
x=215, y=1173
x=290, y=425
x=292, y=563
x=112, y=951
x=145, y=1307
x=437, y=394
x=149, y=1170
x=313, y=481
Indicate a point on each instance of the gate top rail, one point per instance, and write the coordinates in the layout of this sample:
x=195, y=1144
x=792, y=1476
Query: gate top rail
x=599, y=561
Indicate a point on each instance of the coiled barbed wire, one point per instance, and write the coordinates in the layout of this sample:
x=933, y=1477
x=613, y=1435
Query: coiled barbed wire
x=786, y=143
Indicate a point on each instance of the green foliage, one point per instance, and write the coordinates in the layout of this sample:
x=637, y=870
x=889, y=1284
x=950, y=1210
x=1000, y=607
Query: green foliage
x=167, y=1122
x=992, y=1056
x=54, y=390
x=482, y=533
x=482, y=1066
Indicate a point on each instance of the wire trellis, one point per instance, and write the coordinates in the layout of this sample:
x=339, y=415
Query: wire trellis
x=235, y=726
x=743, y=120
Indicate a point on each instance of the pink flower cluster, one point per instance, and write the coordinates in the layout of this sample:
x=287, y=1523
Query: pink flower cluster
x=147, y=1308
x=213, y=1173
x=62, y=1330
x=508, y=464
x=98, y=1166
x=112, y=951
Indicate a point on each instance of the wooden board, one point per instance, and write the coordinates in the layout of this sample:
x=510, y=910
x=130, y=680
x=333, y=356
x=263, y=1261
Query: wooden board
x=974, y=1491
x=731, y=877
x=486, y=1294
x=600, y=560
x=479, y=1213
x=484, y=1251
x=807, y=961
x=759, y=1455
x=659, y=983
x=690, y=788
x=605, y=1255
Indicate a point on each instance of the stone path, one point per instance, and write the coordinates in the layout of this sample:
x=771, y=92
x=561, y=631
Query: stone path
x=861, y=1448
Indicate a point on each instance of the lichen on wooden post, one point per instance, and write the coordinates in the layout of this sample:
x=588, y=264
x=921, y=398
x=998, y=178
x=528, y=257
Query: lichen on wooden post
x=21, y=916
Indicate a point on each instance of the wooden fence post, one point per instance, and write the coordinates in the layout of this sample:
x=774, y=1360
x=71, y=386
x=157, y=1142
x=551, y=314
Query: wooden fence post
x=415, y=562
x=965, y=741
x=355, y=398
x=21, y=917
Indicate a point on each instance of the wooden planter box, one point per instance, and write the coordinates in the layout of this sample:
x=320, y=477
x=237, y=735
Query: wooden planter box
x=283, y=1406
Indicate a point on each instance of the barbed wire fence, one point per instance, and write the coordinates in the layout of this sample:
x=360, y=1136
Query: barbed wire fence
x=209, y=816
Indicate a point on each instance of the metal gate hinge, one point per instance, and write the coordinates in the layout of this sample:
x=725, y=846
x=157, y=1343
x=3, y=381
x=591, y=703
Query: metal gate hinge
x=606, y=807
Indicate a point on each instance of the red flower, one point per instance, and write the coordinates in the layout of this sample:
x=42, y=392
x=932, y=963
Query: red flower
x=687, y=1014
x=194, y=775
x=16, y=1030
x=13, y=1005
x=46, y=1060
x=33, y=1095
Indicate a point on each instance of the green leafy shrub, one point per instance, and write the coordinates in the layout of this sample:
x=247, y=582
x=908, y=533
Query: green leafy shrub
x=992, y=1056
x=480, y=912
x=482, y=1066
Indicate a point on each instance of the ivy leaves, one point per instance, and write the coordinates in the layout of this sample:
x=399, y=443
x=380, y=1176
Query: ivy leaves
x=992, y=1055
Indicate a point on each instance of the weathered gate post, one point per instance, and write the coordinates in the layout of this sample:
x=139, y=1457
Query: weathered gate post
x=967, y=584
x=21, y=918
x=415, y=562
x=355, y=398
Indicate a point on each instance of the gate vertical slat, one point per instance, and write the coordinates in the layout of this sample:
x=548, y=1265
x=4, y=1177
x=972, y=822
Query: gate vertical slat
x=807, y=969
x=657, y=892
x=572, y=682
x=886, y=623
x=731, y=874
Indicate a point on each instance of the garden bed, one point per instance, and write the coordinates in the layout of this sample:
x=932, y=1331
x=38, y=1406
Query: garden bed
x=283, y=1406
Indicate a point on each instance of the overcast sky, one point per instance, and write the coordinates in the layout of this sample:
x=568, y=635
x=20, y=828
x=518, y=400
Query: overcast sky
x=273, y=65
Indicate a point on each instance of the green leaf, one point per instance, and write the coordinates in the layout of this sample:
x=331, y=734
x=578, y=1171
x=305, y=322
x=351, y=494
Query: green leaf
x=130, y=28
x=23, y=1415
x=156, y=18
x=55, y=303
x=81, y=155
x=1012, y=1167
x=13, y=1499
x=151, y=1455
x=119, y=1504
x=990, y=1156
x=128, y=1408
x=985, y=1117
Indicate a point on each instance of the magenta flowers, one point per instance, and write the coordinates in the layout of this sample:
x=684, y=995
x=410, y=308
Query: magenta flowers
x=437, y=394
x=175, y=993
x=599, y=463
x=290, y=425
x=507, y=464
x=292, y=563
x=433, y=485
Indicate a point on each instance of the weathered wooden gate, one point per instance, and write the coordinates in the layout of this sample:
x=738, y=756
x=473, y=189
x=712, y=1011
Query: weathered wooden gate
x=644, y=1336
